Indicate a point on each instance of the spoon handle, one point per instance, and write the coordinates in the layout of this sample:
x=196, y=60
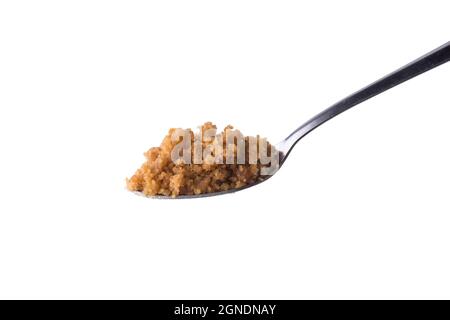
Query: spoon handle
x=427, y=62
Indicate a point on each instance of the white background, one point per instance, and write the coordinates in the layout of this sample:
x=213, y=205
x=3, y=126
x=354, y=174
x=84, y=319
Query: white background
x=360, y=209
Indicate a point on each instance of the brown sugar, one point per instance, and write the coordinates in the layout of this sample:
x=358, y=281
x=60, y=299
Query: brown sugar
x=228, y=160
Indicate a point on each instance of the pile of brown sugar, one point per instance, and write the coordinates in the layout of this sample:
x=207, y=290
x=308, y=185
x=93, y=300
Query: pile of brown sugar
x=161, y=175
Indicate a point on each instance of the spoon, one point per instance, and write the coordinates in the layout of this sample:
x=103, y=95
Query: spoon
x=423, y=64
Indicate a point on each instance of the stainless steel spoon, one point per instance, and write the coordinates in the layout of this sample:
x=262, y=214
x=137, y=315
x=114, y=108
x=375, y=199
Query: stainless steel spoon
x=423, y=64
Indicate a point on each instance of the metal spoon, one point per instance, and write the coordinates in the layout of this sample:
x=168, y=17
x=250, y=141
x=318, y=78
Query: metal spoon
x=423, y=64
